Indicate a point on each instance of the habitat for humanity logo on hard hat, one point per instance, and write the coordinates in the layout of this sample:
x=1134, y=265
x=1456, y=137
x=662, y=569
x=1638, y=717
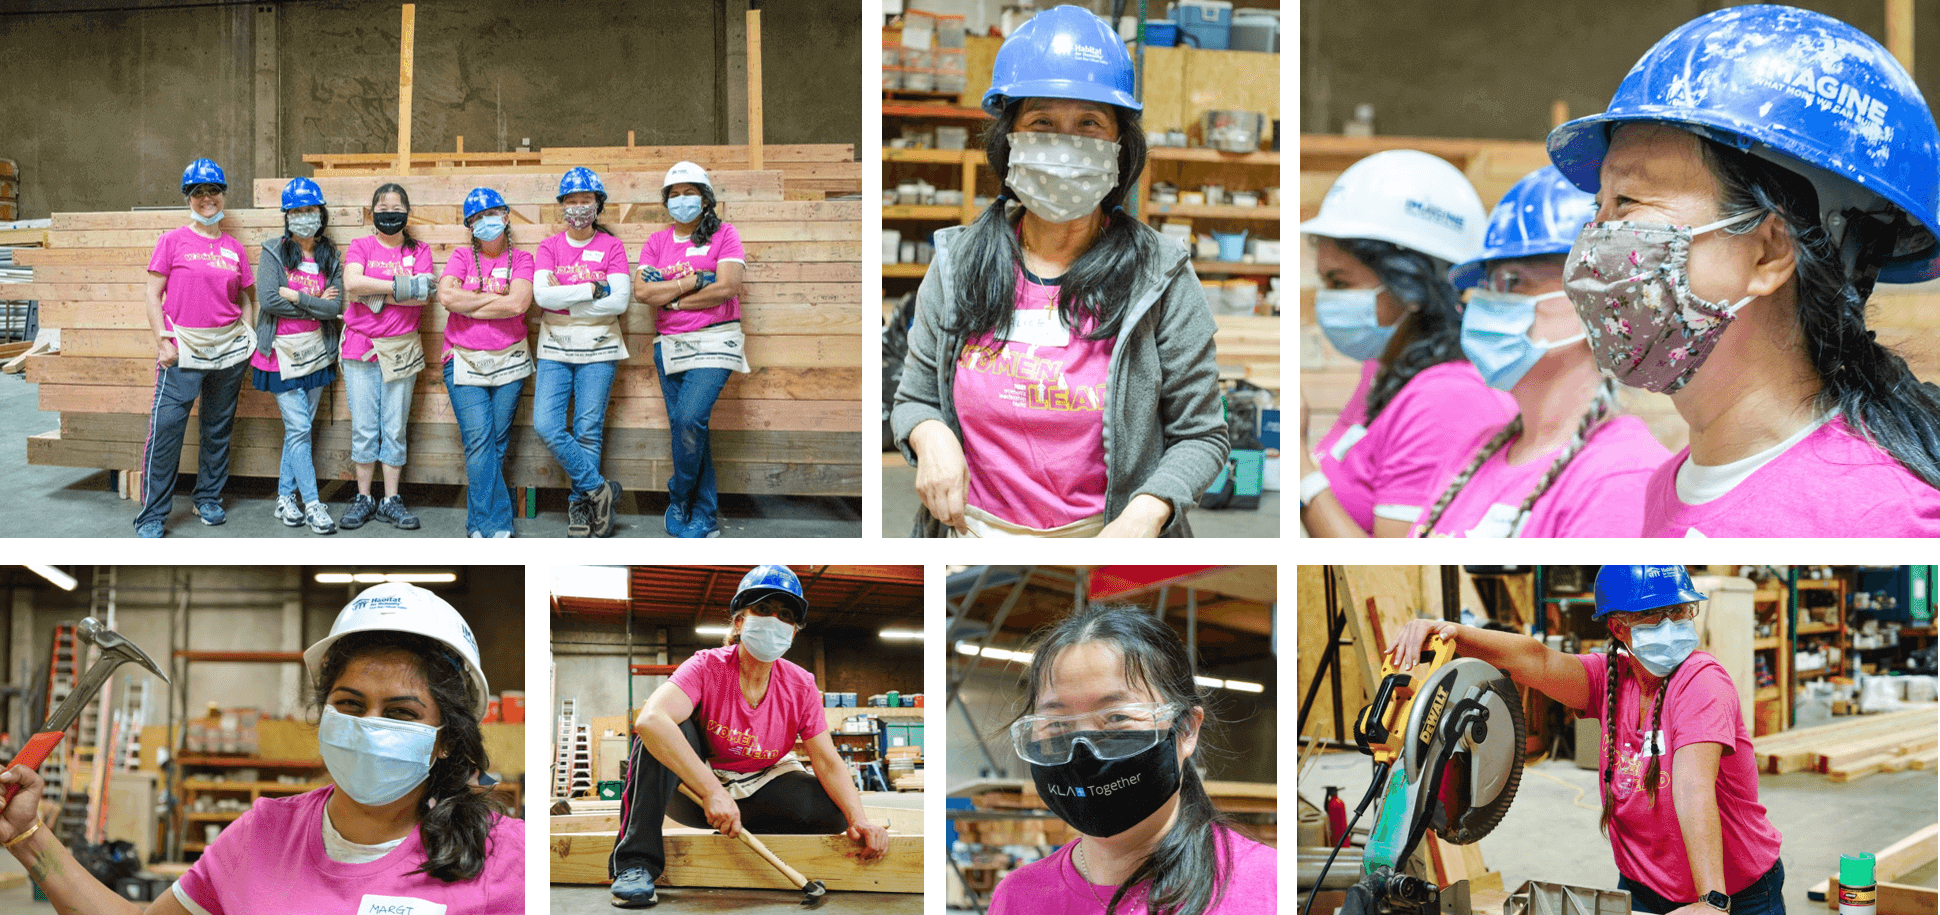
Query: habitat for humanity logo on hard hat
x=1065, y=46
x=1432, y=213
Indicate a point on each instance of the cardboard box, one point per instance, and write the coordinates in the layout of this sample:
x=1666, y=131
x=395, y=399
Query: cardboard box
x=512, y=706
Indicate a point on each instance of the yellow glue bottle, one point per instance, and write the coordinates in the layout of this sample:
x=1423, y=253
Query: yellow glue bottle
x=1858, y=892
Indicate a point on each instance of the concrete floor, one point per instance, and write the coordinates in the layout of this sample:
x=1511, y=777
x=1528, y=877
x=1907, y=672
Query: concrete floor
x=75, y=502
x=1550, y=832
x=899, y=504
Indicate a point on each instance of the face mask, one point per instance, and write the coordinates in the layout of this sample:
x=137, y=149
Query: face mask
x=1631, y=285
x=306, y=225
x=206, y=220
x=1060, y=177
x=375, y=760
x=766, y=637
x=1664, y=646
x=1495, y=336
x=1104, y=797
x=685, y=208
x=488, y=228
x=580, y=217
x=1351, y=323
x=389, y=223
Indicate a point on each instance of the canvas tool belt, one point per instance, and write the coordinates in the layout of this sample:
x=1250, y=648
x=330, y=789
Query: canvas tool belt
x=206, y=349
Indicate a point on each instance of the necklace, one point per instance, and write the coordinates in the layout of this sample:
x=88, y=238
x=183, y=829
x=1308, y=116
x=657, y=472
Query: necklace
x=1084, y=869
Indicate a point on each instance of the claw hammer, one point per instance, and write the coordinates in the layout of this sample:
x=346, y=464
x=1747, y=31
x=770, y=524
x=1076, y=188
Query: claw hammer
x=115, y=651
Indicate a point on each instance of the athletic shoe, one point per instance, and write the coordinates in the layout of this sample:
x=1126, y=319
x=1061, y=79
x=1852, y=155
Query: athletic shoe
x=289, y=511
x=211, y=513
x=149, y=531
x=579, y=517
x=501, y=535
x=676, y=518
x=633, y=889
x=361, y=509
x=604, y=501
x=392, y=509
x=318, y=517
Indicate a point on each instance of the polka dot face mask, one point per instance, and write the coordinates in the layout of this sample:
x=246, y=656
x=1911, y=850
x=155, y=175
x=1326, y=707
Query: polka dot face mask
x=1060, y=177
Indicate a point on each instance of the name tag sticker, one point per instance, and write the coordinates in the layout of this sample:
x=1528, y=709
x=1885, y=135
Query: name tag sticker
x=592, y=256
x=397, y=905
x=501, y=272
x=1653, y=743
x=410, y=259
x=700, y=251
x=308, y=267
x=1039, y=327
x=225, y=252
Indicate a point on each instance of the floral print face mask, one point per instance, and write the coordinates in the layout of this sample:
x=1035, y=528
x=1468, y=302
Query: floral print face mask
x=1631, y=285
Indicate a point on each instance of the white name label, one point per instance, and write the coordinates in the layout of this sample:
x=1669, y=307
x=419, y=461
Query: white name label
x=410, y=259
x=398, y=905
x=594, y=256
x=501, y=272
x=1039, y=327
x=700, y=251
x=307, y=267
x=225, y=252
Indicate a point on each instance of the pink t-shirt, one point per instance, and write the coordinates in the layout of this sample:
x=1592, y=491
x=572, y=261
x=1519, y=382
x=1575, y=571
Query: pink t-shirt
x=497, y=273
x=571, y=266
x=1052, y=886
x=382, y=263
x=1032, y=413
x=1349, y=426
x=747, y=738
x=271, y=859
x=666, y=252
x=1600, y=493
x=1831, y=484
x=309, y=280
x=1398, y=462
x=1700, y=706
x=205, y=276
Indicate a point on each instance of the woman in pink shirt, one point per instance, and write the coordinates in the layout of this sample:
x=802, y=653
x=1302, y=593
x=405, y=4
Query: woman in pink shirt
x=405, y=826
x=201, y=303
x=300, y=282
x=1677, y=775
x=390, y=273
x=486, y=289
x=1111, y=722
x=725, y=728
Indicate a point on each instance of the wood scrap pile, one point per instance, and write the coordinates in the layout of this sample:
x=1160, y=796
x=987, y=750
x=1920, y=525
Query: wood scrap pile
x=1855, y=749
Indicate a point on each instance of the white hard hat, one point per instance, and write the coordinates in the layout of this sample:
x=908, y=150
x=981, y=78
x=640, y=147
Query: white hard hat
x=399, y=607
x=1408, y=198
x=686, y=172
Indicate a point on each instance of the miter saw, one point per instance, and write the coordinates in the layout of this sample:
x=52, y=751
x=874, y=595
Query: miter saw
x=1456, y=730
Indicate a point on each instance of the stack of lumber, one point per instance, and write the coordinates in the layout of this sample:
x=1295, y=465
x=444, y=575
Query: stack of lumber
x=1249, y=347
x=1889, y=864
x=809, y=171
x=791, y=427
x=1854, y=749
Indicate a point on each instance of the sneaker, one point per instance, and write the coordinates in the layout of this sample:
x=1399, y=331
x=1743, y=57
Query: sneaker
x=149, y=531
x=319, y=519
x=211, y=513
x=579, y=517
x=501, y=535
x=289, y=511
x=392, y=509
x=701, y=529
x=676, y=518
x=633, y=889
x=605, y=500
x=361, y=509
x=475, y=535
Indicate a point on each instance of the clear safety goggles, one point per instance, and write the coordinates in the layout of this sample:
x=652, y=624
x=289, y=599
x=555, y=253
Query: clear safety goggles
x=206, y=190
x=1112, y=733
x=1679, y=613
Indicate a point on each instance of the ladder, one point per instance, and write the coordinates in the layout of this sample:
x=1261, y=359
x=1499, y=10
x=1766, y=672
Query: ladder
x=63, y=675
x=562, y=769
x=129, y=721
x=582, y=767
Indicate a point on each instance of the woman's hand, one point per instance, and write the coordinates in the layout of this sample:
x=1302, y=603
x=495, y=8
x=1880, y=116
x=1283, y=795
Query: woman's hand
x=24, y=809
x=723, y=813
x=1144, y=516
x=166, y=353
x=942, y=476
x=332, y=293
x=873, y=839
x=1404, y=651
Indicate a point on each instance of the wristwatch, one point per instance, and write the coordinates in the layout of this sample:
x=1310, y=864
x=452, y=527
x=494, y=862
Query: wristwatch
x=1718, y=901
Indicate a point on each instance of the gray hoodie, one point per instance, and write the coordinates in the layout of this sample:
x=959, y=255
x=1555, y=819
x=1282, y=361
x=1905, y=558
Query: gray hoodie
x=271, y=274
x=1165, y=432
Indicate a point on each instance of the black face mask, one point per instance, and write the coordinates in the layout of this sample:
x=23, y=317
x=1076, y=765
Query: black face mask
x=389, y=223
x=1104, y=797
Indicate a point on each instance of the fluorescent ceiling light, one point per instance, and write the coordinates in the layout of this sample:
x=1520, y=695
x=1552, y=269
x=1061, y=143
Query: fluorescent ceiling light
x=712, y=630
x=1245, y=686
x=61, y=579
x=333, y=578
x=1001, y=654
x=423, y=578
x=593, y=582
x=1209, y=682
x=901, y=634
x=369, y=578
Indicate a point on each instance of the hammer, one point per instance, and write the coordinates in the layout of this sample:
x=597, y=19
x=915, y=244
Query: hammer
x=812, y=890
x=115, y=651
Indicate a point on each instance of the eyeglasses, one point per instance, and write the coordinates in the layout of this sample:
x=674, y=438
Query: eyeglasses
x=1113, y=733
x=206, y=190
x=1678, y=613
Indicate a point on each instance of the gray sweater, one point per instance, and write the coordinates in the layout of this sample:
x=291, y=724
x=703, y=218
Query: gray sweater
x=1165, y=432
x=272, y=275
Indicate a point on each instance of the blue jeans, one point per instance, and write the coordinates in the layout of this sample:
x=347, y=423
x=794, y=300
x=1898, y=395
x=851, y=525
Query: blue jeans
x=297, y=475
x=379, y=411
x=690, y=397
x=176, y=392
x=1765, y=896
x=485, y=423
x=575, y=438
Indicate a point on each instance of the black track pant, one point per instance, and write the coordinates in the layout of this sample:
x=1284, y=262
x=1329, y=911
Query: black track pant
x=791, y=803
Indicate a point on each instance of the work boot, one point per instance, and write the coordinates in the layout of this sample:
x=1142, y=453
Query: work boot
x=579, y=517
x=289, y=511
x=392, y=509
x=633, y=889
x=604, y=501
x=319, y=519
x=361, y=509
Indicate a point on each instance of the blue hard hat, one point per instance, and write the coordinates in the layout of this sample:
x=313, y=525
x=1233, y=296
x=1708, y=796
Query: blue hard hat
x=302, y=192
x=771, y=581
x=1802, y=89
x=1541, y=214
x=1634, y=589
x=581, y=178
x=1063, y=52
x=203, y=171
x=482, y=199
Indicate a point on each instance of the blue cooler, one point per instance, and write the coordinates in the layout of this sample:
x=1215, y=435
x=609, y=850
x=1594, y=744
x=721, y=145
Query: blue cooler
x=1161, y=33
x=1204, y=24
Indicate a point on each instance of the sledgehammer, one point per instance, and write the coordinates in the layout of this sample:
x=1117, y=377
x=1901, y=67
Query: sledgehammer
x=812, y=890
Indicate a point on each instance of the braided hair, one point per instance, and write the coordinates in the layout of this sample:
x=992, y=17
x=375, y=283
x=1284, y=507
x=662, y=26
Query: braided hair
x=1653, y=774
x=1600, y=409
x=478, y=251
x=1429, y=335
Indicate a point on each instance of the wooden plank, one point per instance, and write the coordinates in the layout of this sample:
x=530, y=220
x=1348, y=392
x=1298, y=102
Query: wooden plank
x=404, y=83
x=695, y=858
x=753, y=59
x=898, y=820
x=1893, y=898
x=1851, y=753
x=537, y=185
x=816, y=241
x=137, y=257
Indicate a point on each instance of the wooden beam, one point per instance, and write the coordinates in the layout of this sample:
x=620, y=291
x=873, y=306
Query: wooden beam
x=1899, y=31
x=461, y=142
x=404, y=89
x=702, y=858
x=604, y=816
x=754, y=89
x=1894, y=898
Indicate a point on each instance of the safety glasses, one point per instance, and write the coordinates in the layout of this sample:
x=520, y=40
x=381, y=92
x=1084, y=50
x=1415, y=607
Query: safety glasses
x=206, y=190
x=1112, y=733
x=1653, y=617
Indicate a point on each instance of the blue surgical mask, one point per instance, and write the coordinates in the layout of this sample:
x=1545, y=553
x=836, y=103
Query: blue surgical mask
x=375, y=760
x=1495, y=335
x=1351, y=323
x=488, y=228
x=206, y=220
x=1664, y=646
x=767, y=637
x=685, y=208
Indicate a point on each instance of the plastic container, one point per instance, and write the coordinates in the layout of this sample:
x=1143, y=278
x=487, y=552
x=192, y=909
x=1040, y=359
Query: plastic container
x=1161, y=33
x=1256, y=30
x=1204, y=24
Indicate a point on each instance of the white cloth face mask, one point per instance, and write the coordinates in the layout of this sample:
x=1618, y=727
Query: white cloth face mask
x=375, y=760
x=767, y=637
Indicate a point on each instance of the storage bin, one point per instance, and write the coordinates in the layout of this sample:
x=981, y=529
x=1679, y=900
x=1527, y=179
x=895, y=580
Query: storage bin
x=1204, y=24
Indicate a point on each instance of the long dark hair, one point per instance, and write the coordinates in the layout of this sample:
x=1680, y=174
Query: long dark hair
x=1184, y=872
x=1872, y=386
x=1654, y=771
x=404, y=197
x=1099, y=284
x=454, y=817
x=709, y=221
x=290, y=252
